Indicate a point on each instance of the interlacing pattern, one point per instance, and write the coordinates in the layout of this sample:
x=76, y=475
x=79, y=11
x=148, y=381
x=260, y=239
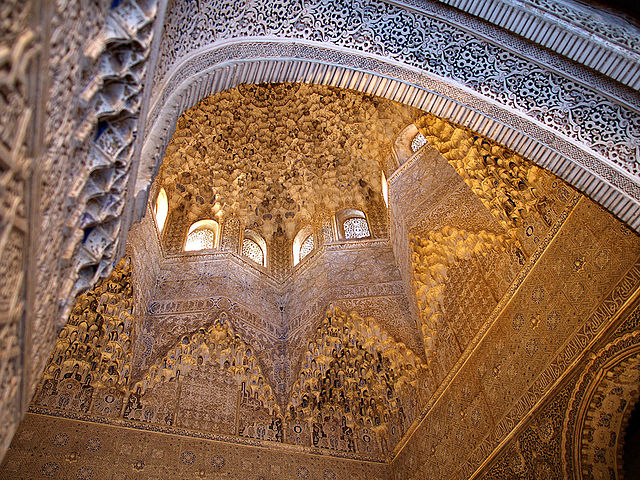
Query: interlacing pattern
x=355, y=227
x=252, y=250
x=306, y=247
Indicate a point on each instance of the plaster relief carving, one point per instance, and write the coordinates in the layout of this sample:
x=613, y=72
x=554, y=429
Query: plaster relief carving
x=18, y=47
x=355, y=375
x=259, y=153
x=465, y=295
x=431, y=259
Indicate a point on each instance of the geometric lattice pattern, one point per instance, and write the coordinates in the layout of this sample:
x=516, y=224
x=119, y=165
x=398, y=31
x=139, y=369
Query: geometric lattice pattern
x=200, y=239
x=252, y=250
x=306, y=247
x=418, y=142
x=356, y=227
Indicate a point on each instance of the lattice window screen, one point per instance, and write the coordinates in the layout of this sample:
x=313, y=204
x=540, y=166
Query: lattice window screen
x=200, y=239
x=418, y=142
x=253, y=251
x=356, y=228
x=306, y=247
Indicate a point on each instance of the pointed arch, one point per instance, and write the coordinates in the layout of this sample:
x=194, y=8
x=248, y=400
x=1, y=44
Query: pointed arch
x=577, y=162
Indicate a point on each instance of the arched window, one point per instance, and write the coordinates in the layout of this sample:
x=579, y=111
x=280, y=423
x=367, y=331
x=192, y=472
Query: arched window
x=303, y=244
x=352, y=224
x=202, y=235
x=161, y=209
x=408, y=143
x=254, y=247
x=385, y=190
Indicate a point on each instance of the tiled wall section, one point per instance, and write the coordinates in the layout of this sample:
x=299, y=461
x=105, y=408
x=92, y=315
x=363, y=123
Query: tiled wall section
x=56, y=448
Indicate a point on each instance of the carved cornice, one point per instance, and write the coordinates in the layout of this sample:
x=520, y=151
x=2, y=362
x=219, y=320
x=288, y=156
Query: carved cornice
x=184, y=432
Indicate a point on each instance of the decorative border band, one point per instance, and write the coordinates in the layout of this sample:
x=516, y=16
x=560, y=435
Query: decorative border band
x=591, y=48
x=184, y=432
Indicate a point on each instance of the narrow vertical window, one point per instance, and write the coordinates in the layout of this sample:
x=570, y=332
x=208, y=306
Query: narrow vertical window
x=303, y=244
x=161, y=209
x=385, y=190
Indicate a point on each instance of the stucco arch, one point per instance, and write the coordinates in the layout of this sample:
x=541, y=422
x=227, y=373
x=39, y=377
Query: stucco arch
x=218, y=67
x=601, y=403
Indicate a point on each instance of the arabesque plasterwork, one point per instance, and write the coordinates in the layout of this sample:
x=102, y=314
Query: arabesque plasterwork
x=480, y=322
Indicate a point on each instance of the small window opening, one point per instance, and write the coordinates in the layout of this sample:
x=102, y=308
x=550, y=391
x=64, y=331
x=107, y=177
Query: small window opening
x=161, y=209
x=254, y=247
x=352, y=224
x=418, y=142
x=385, y=190
x=303, y=244
x=202, y=235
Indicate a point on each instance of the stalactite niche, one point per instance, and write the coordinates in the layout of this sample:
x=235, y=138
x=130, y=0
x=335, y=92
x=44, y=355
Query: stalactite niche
x=509, y=185
x=218, y=346
x=431, y=258
x=356, y=376
x=93, y=350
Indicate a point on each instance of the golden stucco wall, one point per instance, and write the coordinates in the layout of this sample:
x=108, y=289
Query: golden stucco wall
x=577, y=286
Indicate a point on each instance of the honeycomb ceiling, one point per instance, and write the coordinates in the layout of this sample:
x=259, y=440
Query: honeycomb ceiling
x=278, y=156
